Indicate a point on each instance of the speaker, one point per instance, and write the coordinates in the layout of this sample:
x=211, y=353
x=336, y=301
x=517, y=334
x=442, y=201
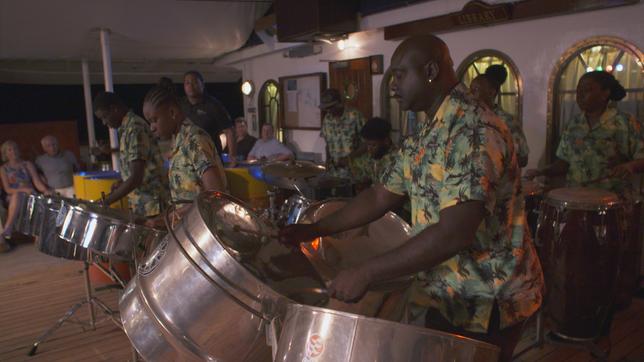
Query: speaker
x=305, y=20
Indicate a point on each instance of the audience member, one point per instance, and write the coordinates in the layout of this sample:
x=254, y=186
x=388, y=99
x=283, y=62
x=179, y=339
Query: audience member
x=57, y=166
x=245, y=142
x=18, y=178
x=269, y=148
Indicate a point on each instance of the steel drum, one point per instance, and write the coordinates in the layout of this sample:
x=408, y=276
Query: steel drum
x=48, y=241
x=293, y=209
x=330, y=254
x=105, y=231
x=25, y=212
x=203, y=294
x=317, y=334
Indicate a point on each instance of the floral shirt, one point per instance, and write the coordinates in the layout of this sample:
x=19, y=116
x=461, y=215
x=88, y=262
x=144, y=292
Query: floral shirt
x=592, y=152
x=520, y=143
x=342, y=136
x=366, y=168
x=137, y=142
x=193, y=153
x=465, y=153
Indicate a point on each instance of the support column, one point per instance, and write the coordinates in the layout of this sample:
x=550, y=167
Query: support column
x=109, y=87
x=89, y=109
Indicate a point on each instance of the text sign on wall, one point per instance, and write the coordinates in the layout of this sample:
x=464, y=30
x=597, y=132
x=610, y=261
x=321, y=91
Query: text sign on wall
x=480, y=13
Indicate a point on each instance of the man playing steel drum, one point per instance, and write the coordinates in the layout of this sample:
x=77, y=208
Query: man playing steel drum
x=477, y=270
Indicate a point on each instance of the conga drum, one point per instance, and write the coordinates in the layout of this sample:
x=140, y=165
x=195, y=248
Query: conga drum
x=579, y=238
x=629, y=266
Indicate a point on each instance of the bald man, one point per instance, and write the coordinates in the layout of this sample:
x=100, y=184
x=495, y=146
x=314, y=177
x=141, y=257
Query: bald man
x=477, y=271
x=57, y=166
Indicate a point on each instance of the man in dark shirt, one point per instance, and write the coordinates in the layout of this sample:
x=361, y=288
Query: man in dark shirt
x=207, y=112
x=245, y=142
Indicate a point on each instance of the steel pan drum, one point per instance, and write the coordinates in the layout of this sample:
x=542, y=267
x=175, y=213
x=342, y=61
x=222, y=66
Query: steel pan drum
x=197, y=297
x=24, y=215
x=48, y=241
x=332, y=253
x=317, y=334
x=579, y=239
x=106, y=231
x=293, y=209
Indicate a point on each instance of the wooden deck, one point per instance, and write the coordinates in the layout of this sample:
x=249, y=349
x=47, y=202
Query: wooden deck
x=36, y=290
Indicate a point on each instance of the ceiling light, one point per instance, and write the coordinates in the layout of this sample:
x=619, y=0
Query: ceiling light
x=342, y=44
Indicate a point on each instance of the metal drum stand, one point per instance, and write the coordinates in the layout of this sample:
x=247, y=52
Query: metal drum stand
x=91, y=302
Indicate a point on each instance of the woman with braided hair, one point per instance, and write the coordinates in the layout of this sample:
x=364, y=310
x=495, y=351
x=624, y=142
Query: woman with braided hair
x=195, y=165
x=602, y=146
x=486, y=88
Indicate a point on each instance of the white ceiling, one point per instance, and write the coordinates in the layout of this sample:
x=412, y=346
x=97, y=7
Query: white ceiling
x=43, y=41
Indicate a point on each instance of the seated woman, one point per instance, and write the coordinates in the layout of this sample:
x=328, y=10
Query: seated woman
x=195, y=165
x=18, y=177
x=267, y=147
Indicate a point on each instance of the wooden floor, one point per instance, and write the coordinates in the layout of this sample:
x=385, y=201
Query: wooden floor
x=36, y=290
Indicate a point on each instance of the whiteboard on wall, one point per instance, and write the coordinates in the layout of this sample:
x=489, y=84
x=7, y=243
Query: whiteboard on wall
x=301, y=100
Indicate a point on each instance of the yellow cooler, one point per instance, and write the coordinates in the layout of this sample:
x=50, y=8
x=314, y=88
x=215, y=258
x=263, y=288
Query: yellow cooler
x=245, y=187
x=90, y=185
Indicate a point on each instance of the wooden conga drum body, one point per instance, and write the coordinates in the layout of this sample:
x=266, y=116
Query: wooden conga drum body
x=579, y=238
x=629, y=266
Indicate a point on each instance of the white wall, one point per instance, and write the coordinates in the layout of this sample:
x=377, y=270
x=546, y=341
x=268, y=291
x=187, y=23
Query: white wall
x=535, y=47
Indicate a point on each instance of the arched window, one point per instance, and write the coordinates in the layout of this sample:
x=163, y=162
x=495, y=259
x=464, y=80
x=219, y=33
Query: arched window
x=509, y=98
x=403, y=123
x=611, y=54
x=269, y=105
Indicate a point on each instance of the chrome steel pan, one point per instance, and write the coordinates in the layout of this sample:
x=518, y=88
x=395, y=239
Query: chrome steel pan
x=192, y=299
x=103, y=230
x=47, y=240
x=24, y=214
x=318, y=334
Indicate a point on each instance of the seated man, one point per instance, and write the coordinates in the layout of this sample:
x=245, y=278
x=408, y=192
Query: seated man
x=369, y=168
x=269, y=148
x=57, y=166
x=245, y=142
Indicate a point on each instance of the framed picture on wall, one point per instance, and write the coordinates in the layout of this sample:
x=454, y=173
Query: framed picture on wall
x=376, y=63
x=301, y=100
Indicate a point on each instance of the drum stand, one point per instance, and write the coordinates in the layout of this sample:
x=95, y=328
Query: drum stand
x=541, y=338
x=91, y=302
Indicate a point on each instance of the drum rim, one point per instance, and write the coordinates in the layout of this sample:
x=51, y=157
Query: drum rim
x=582, y=205
x=390, y=213
x=93, y=214
x=295, y=307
